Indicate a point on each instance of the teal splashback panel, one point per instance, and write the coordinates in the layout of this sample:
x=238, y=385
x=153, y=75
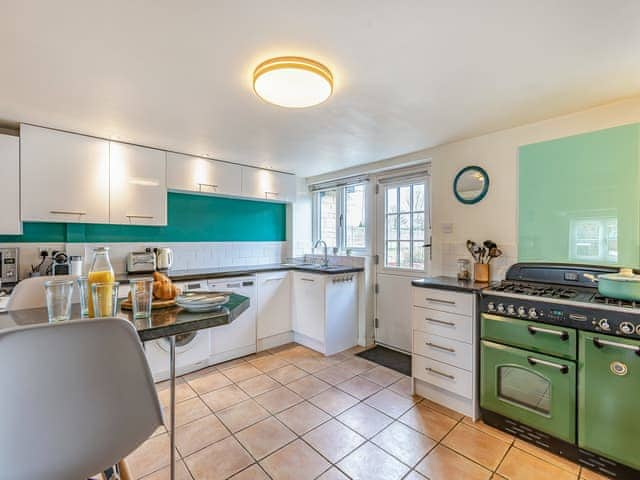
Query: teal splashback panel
x=579, y=199
x=191, y=218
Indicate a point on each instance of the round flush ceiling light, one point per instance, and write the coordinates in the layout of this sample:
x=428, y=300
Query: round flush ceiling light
x=292, y=82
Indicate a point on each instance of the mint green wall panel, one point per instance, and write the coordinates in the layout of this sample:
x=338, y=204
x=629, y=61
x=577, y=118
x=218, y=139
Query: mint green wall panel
x=191, y=218
x=579, y=199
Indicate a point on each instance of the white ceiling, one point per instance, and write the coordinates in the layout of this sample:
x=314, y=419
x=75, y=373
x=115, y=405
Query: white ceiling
x=409, y=74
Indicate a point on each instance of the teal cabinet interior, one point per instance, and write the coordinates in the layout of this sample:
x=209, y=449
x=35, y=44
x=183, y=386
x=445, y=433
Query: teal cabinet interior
x=579, y=199
x=191, y=218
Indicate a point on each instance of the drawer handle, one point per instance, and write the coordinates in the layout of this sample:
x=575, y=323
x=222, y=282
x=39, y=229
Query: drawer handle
x=308, y=280
x=279, y=279
x=436, y=372
x=441, y=322
x=564, y=336
x=535, y=361
x=210, y=185
x=66, y=212
x=140, y=216
x=601, y=343
x=440, y=347
x=437, y=300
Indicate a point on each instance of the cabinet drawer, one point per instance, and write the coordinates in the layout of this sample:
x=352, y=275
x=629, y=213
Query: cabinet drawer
x=449, y=325
x=443, y=300
x=444, y=376
x=452, y=352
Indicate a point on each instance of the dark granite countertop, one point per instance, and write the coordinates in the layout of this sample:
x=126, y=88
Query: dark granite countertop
x=162, y=323
x=450, y=283
x=201, y=273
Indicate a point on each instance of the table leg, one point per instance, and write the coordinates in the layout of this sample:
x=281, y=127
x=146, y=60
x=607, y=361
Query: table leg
x=172, y=379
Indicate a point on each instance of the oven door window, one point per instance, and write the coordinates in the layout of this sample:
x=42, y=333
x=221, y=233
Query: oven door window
x=524, y=387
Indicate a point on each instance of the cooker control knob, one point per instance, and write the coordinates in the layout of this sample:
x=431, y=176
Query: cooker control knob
x=511, y=310
x=533, y=313
x=501, y=308
x=491, y=306
x=627, y=328
x=522, y=311
x=604, y=324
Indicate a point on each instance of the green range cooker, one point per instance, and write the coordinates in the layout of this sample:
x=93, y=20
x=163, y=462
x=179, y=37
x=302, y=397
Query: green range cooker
x=560, y=365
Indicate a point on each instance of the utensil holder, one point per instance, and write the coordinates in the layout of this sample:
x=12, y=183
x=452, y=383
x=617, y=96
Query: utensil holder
x=481, y=272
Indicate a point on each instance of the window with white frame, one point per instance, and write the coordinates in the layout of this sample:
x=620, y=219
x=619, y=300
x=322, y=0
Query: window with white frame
x=340, y=217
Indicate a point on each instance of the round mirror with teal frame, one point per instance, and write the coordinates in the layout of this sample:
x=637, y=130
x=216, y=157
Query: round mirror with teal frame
x=471, y=184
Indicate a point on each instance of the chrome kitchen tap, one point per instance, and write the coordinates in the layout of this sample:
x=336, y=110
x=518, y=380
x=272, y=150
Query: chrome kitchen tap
x=325, y=262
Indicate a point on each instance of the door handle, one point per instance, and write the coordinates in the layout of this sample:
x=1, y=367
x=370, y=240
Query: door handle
x=441, y=322
x=308, y=280
x=436, y=372
x=139, y=216
x=564, y=336
x=440, y=347
x=601, y=343
x=210, y=185
x=437, y=300
x=67, y=212
x=535, y=361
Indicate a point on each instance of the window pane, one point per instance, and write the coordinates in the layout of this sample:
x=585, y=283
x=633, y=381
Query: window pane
x=418, y=226
x=327, y=212
x=355, y=216
x=418, y=255
x=525, y=387
x=405, y=226
x=392, y=200
x=418, y=197
x=392, y=227
x=392, y=254
x=405, y=255
x=405, y=199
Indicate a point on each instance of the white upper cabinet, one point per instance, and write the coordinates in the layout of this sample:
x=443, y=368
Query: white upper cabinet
x=10, y=223
x=138, y=178
x=202, y=175
x=64, y=177
x=268, y=185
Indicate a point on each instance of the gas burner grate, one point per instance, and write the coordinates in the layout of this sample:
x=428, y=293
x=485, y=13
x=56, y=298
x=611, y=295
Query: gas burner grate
x=615, y=302
x=535, y=290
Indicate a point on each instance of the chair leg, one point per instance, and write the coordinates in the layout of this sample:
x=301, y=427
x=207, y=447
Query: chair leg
x=125, y=471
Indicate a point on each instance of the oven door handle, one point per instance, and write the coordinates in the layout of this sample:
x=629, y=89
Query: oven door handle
x=598, y=342
x=564, y=336
x=537, y=361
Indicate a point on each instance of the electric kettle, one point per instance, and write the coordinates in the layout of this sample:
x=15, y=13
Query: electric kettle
x=164, y=258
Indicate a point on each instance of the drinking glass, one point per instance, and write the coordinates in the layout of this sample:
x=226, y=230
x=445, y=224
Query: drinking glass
x=141, y=297
x=84, y=291
x=58, y=294
x=105, y=298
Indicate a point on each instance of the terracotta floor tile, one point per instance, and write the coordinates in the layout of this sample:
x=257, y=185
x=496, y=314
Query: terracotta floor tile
x=520, y=465
x=371, y=463
x=365, y=420
x=275, y=401
x=403, y=387
x=480, y=447
x=333, y=474
x=298, y=353
x=357, y=365
x=359, y=387
x=152, y=455
x=254, y=472
x=333, y=401
x=186, y=412
x=224, y=398
x=586, y=474
x=312, y=365
x=442, y=409
x=480, y=425
x=183, y=392
x=219, y=461
x=257, y=385
x=198, y=373
x=282, y=348
x=230, y=364
x=445, y=464
x=413, y=475
x=266, y=364
x=209, y=382
x=296, y=461
x=241, y=372
x=404, y=443
x=303, y=417
x=433, y=424
x=333, y=440
x=335, y=375
x=556, y=460
x=287, y=374
x=198, y=434
x=390, y=403
x=382, y=375
x=242, y=415
x=165, y=474
x=308, y=386
x=356, y=349
x=265, y=437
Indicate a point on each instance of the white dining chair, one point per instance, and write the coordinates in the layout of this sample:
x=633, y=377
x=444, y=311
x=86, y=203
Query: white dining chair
x=77, y=397
x=29, y=293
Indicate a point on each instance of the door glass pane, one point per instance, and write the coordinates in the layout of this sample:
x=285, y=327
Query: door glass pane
x=405, y=255
x=392, y=254
x=355, y=216
x=418, y=197
x=524, y=387
x=405, y=199
x=418, y=226
x=418, y=255
x=392, y=200
x=392, y=227
x=405, y=227
x=327, y=216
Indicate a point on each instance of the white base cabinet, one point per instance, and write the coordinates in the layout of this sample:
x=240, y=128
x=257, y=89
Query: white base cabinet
x=274, y=309
x=10, y=223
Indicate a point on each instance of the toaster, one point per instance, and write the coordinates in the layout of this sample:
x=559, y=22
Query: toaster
x=141, y=262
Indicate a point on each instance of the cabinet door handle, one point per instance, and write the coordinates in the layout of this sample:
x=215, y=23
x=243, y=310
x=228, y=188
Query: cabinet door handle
x=564, y=336
x=273, y=194
x=273, y=279
x=67, y=212
x=601, y=343
x=307, y=279
x=140, y=216
x=210, y=185
x=437, y=300
x=436, y=372
x=440, y=347
x=535, y=361
x=441, y=322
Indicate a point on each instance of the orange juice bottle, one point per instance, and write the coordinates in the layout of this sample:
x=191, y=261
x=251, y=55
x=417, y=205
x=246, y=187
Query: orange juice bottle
x=101, y=271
